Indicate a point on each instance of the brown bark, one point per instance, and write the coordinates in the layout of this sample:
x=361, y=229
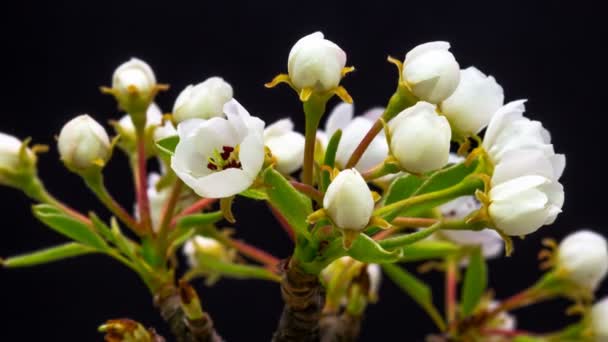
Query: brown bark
x=185, y=330
x=303, y=298
x=340, y=328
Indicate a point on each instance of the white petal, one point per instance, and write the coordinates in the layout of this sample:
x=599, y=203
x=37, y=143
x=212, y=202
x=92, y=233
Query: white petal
x=251, y=154
x=221, y=184
x=279, y=128
x=340, y=117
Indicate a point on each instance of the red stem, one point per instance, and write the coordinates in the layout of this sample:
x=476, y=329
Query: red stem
x=308, y=190
x=283, y=223
x=142, y=185
x=450, y=289
x=194, y=208
x=505, y=333
x=414, y=222
x=256, y=254
x=369, y=137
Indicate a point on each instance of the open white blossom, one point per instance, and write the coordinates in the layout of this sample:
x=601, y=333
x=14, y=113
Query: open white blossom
x=220, y=157
x=348, y=201
x=584, y=257
x=471, y=106
x=286, y=145
x=133, y=76
x=202, y=101
x=522, y=205
x=353, y=131
x=420, y=138
x=315, y=62
x=431, y=71
x=488, y=239
x=599, y=317
x=83, y=143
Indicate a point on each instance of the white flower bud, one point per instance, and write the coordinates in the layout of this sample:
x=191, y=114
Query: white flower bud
x=315, y=62
x=11, y=161
x=134, y=77
x=348, y=201
x=522, y=205
x=584, y=257
x=420, y=138
x=599, y=318
x=471, y=106
x=202, y=101
x=83, y=143
x=338, y=266
x=200, y=245
x=164, y=131
x=154, y=118
x=431, y=71
x=286, y=145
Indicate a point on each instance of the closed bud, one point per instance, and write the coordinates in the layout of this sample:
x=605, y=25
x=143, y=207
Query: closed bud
x=348, y=201
x=207, y=247
x=471, y=106
x=420, y=138
x=128, y=136
x=583, y=256
x=431, y=71
x=316, y=63
x=15, y=160
x=203, y=101
x=134, y=87
x=83, y=144
x=599, y=317
x=286, y=145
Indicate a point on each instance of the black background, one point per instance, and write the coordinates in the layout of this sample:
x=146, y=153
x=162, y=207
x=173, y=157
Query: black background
x=56, y=55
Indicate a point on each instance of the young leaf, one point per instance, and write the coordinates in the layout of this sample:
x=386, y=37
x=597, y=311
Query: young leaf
x=475, y=282
x=446, y=177
x=239, y=271
x=47, y=255
x=365, y=249
x=330, y=158
x=428, y=249
x=66, y=225
x=289, y=202
x=199, y=219
x=408, y=239
x=167, y=145
x=402, y=188
x=416, y=289
x=255, y=194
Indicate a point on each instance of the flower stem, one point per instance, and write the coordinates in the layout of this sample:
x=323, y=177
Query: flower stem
x=194, y=208
x=413, y=222
x=256, y=254
x=142, y=184
x=308, y=190
x=168, y=210
x=313, y=109
x=283, y=223
x=369, y=137
x=451, y=281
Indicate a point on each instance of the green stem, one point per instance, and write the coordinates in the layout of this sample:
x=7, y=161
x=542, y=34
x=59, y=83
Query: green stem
x=36, y=191
x=313, y=109
x=143, y=201
x=407, y=239
x=167, y=216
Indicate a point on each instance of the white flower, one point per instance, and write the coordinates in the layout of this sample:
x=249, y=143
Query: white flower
x=158, y=200
x=353, y=131
x=348, y=201
x=200, y=245
x=374, y=272
x=527, y=162
x=220, y=157
x=315, y=62
x=202, y=101
x=286, y=145
x=420, y=138
x=584, y=257
x=134, y=76
x=488, y=239
x=83, y=143
x=599, y=317
x=522, y=205
x=11, y=164
x=509, y=130
x=471, y=106
x=431, y=71
x=154, y=118
x=164, y=131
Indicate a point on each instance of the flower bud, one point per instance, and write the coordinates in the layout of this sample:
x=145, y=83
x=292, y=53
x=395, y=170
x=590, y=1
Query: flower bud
x=599, y=317
x=15, y=159
x=154, y=118
x=431, y=71
x=286, y=145
x=83, y=143
x=420, y=138
x=315, y=62
x=134, y=86
x=203, y=101
x=348, y=201
x=204, y=246
x=584, y=257
x=471, y=106
x=522, y=205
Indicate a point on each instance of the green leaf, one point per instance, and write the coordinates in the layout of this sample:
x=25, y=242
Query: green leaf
x=66, y=225
x=209, y=265
x=167, y=145
x=256, y=194
x=330, y=157
x=47, y=255
x=150, y=252
x=446, y=177
x=408, y=239
x=416, y=289
x=365, y=249
x=402, y=188
x=289, y=202
x=428, y=249
x=475, y=282
x=199, y=219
